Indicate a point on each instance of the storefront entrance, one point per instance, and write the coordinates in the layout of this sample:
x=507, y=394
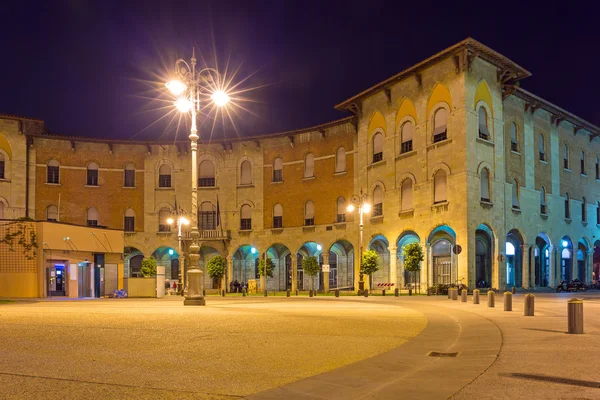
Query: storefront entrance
x=56, y=280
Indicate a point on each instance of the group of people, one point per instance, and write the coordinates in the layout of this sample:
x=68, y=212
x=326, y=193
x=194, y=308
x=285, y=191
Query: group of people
x=170, y=288
x=237, y=287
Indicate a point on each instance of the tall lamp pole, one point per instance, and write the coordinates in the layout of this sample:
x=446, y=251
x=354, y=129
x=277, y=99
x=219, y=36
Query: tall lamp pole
x=188, y=86
x=180, y=218
x=360, y=204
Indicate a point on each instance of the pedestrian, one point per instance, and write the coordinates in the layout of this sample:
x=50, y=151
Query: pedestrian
x=231, y=286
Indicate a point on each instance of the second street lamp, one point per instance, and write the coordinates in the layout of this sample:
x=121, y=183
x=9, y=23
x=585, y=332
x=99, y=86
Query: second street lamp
x=188, y=86
x=180, y=218
x=360, y=204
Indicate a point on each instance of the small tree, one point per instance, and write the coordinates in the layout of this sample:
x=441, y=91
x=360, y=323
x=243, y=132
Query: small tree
x=216, y=268
x=265, y=268
x=311, y=267
x=370, y=264
x=413, y=255
x=148, y=267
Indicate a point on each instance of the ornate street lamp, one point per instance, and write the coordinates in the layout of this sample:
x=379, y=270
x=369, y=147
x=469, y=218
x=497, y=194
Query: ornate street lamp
x=360, y=204
x=188, y=87
x=178, y=216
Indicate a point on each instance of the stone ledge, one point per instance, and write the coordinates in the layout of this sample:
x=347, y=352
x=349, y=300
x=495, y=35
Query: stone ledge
x=340, y=173
x=375, y=164
x=251, y=185
x=440, y=207
x=406, y=155
x=485, y=141
x=438, y=144
x=407, y=213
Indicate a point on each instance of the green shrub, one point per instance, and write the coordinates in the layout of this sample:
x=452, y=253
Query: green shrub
x=148, y=267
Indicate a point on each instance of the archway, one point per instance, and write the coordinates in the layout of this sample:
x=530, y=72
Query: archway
x=443, y=269
x=408, y=279
x=132, y=258
x=304, y=282
x=514, y=258
x=245, y=264
x=168, y=258
x=566, y=259
x=582, y=261
x=541, y=254
x=484, y=239
x=380, y=244
x=596, y=269
x=206, y=253
x=341, y=265
x=282, y=274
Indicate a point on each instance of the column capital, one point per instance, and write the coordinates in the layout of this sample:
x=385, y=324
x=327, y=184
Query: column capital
x=392, y=248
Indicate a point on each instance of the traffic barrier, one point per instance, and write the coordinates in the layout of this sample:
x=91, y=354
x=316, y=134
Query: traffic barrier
x=396, y=294
x=383, y=292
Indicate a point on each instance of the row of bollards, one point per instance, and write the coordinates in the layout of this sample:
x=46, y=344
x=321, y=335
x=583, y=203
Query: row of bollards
x=574, y=306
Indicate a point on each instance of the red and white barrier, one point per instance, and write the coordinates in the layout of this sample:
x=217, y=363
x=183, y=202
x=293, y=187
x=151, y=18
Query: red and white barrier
x=385, y=284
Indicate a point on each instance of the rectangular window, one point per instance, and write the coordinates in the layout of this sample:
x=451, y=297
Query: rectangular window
x=92, y=177
x=277, y=222
x=129, y=224
x=542, y=156
x=565, y=163
x=164, y=227
x=543, y=209
x=207, y=220
x=483, y=134
x=514, y=147
x=1, y=169
x=377, y=157
x=438, y=137
x=246, y=224
x=53, y=174
x=341, y=218
x=206, y=182
x=582, y=165
x=92, y=223
x=164, y=181
x=129, y=178
x=277, y=175
x=309, y=221
x=406, y=146
x=377, y=209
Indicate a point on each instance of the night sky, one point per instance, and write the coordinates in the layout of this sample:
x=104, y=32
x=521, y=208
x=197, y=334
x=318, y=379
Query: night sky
x=86, y=67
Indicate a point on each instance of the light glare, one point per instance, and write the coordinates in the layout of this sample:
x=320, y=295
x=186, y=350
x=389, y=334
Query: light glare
x=183, y=104
x=170, y=221
x=184, y=221
x=176, y=86
x=366, y=207
x=253, y=250
x=220, y=98
x=350, y=208
x=319, y=248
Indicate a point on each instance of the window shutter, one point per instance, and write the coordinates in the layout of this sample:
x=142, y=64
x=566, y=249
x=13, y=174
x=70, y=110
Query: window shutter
x=341, y=205
x=309, y=166
x=92, y=214
x=483, y=126
x=485, y=184
x=543, y=196
x=278, y=164
x=129, y=213
x=407, y=131
x=309, y=210
x=246, y=212
x=439, y=186
x=52, y=213
x=513, y=132
x=246, y=173
x=515, y=194
x=440, y=121
x=378, y=143
x=278, y=210
x=378, y=195
x=340, y=161
x=541, y=143
x=207, y=169
x=406, y=201
x=207, y=207
x=164, y=169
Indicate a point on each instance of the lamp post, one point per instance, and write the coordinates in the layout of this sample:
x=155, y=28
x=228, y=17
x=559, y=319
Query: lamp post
x=180, y=219
x=360, y=204
x=188, y=86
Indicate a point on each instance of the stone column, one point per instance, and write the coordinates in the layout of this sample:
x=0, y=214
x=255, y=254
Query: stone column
x=325, y=274
x=229, y=271
x=589, y=268
x=428, y=271
x=393, y=271
x=526, y=266
x=552, y=266
x=294, y=272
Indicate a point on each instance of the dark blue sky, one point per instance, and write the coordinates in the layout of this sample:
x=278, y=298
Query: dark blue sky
x=78, y=64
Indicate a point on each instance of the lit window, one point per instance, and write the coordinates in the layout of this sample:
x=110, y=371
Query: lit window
x=53, y=172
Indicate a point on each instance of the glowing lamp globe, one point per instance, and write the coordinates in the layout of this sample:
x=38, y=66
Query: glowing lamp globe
x=170, y=221
x=350, y=208
x=366, y=207
x=183, y=104
x=220, y=98
x=176, y=86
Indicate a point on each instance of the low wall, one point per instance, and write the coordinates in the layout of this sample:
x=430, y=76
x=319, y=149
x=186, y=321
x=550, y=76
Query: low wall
x=140, y=287
x=18, y=284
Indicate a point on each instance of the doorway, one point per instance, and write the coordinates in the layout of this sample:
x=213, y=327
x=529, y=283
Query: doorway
x=55, y=277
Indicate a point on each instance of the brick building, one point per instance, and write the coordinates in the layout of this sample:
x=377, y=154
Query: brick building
x=499, y=186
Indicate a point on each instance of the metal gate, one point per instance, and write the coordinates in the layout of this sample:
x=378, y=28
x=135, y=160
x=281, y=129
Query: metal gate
x=442, y=270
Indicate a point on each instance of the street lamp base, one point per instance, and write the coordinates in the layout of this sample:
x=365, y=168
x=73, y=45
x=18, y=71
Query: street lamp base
x=194, y=293
x=194, y=302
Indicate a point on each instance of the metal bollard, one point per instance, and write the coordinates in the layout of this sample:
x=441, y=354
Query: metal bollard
x=396, y=294
x=514, y=290
x=297, y=292
x=243, y=293
x=265, y=292
x=463, y=296
x=476, y=296
x=383, y=292
x=449, y=293
x=203, y=292
x=507, y=301
x=366, y=292
x=222, y=293
x=529, y=305
x=575, y=315
x=287, y=293
x=337, y=292
x=454, y=294
x=491, y=298
x=310, y=293
x=410, y=291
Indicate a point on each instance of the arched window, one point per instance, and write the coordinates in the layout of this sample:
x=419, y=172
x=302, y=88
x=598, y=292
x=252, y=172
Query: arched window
x=567, y=206
x=309, y=165
x=278, y=170
x=340, y=160
x=484, y=132
x=129, y=176
x=485, y=185
x=406, y=133
x=377, y=147
x=1, y=210
x=278, y=216
x=514, y=144
x=377, y=201
x=92, y=174
x=52, y=213
x=206, y=176
x=92, y=217
x=543, y=207
x=309, y=213
x=582, y=162
x=440, y=122
x=406, y=193
x=163, y=215
x=542, y=148
x=164, y=176
x=246, y=173
x=207, y=218
x=53, y=172
x=129, y=222
x=246, y=218
x=565, y=156
x=2, y=167
x=583, y=211
x=340, y=209
x=515, y=195
x=439, y=187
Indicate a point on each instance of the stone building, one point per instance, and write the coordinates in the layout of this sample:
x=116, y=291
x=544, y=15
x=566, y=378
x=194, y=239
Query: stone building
x=500, y=187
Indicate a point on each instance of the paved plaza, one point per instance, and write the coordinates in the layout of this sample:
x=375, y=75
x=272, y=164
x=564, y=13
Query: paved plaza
x=324, y=347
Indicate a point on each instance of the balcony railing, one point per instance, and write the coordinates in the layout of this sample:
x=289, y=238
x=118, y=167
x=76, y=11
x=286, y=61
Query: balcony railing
x=210, y=234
